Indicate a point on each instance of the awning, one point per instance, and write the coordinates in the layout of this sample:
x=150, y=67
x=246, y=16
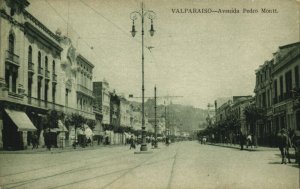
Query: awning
x=21, y=120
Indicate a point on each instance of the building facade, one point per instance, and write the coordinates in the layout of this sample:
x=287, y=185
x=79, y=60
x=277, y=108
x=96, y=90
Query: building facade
x=125, y=112
x=286, y=85
x=38, y=73
x=277, y=93
x=102, y=100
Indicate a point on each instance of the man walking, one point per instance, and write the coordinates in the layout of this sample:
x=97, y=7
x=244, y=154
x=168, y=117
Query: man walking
x=283, y=144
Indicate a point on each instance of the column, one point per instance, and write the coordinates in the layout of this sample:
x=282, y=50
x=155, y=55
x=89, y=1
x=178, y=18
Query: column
x=24, y=139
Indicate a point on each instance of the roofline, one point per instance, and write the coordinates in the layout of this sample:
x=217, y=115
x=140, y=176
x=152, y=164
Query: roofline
x=85, y=60
x=289, y=45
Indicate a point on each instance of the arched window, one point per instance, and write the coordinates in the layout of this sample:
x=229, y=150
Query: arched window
x=11, y=43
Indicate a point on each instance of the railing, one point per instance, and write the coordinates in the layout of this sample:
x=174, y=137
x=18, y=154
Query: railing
x=31, y=66
x=84, y=90
x=44, y=104
x=50, y=105
x=11, y=57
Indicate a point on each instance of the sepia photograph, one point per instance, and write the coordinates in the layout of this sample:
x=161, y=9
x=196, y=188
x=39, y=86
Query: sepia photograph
x=150, y=94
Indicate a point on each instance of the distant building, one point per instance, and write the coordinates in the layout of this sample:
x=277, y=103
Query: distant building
x=234, y=107
x=237, y=110
x=114, y=109
x=125, y=112
x=102, y=100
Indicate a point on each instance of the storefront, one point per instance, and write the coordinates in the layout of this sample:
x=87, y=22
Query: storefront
x=16, y=124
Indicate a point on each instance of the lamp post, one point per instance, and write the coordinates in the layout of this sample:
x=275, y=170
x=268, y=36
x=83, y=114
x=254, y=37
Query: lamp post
x=155, y=121
x=133, y=16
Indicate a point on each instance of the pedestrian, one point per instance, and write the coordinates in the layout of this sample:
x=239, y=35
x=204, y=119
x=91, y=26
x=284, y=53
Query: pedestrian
x=249, y=140
x=152, y=141
x=283, y=144
x=132, y=143
x=242, y=140
x=34, y=141
x=47, y=139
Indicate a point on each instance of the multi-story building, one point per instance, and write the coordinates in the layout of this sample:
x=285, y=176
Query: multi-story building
x=263, y=99
x=219, y=112
x=102, y=100
x=125, y=112
x=38, y=70
x=237, y=110
x=29, y=84
x=286, y=87
x=114, y=109
x=223, y=111
x=277, y=92
x=76, y=73
x=234, y=108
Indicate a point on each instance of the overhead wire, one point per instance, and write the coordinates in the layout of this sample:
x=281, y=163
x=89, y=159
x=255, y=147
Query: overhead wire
x=108, y=20
x=71, y=27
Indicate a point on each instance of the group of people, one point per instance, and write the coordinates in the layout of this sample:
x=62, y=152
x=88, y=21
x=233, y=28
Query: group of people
x=284, y=143
x=84, y=137
x=133, y=142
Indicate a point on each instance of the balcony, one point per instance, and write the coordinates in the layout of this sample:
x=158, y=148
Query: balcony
x=39, y=103
x=31, y=67
x=12, y=58
x=47, y=74
x=40, y=72
x=82, y=89
x=54, y=78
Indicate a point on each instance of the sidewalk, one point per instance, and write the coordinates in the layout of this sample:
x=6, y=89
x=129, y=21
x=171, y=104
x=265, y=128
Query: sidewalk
x=237, y=146
x=42, y=150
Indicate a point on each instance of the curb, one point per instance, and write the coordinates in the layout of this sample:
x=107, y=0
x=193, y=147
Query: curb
x=235, y=147
x=57, y=150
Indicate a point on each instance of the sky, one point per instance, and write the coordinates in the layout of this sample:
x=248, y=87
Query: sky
x=199, y=56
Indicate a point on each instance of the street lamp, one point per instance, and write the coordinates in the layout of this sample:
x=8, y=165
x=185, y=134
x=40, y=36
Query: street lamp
x=133, y=16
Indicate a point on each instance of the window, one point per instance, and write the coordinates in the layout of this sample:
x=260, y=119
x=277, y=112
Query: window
x=288, y=83
x=29, y=54
x=39, y=88
x=280, y=87
x=46, y=91
x=53, y=67
x=39, y=59
x=275, y=91
x=53, y=92
x=11, y=43
x=297, y=83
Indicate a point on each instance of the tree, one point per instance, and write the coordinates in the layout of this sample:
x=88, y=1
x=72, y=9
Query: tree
x=91, y=123
x=76, y=120
x=253, y=114
x=51, y=119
